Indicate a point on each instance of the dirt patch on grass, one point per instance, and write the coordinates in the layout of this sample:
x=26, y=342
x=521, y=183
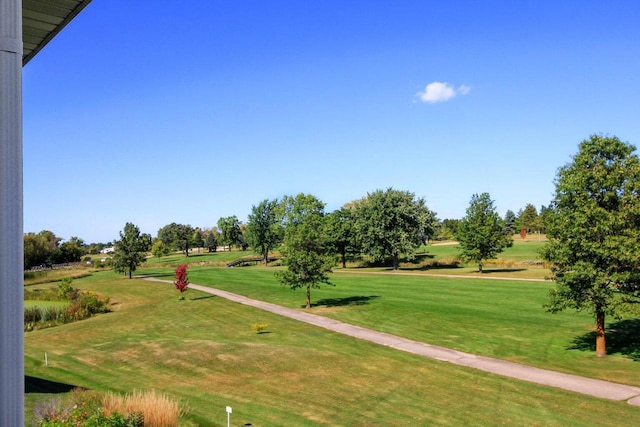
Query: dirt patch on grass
x=324, y=310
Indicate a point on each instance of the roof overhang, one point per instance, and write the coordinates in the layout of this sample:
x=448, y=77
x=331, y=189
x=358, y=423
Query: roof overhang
x=42, y=20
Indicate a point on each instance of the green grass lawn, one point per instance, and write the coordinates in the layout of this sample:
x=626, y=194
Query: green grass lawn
x=497, y=318
x=204, y=352
x=522, y=250
x=522, y=260
x=220, y=258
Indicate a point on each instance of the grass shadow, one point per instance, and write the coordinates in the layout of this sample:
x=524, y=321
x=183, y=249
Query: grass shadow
x=203, y=297
x=159, y=274
x=40, y=385
x=623, y=337
x=419, y=258
x=339, y=302
x=432, y=267
x=502, y=270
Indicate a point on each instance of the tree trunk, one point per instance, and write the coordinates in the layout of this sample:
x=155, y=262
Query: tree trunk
x=344, y=260
x=480, y=268
x=266, y=258
x=129, y=273
x=601, y=347
x=309, y=296
x=396, y=262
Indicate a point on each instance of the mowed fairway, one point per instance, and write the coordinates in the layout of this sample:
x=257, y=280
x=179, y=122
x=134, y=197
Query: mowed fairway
x=497, y=318
x=204, y=352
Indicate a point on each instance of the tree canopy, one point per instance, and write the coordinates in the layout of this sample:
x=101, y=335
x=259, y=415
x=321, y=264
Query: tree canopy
x=393, y=222
x=211, y=241
x=529, y=218
x=304, y=249
x=229, y=228
x=481, y=233
x=593, y=226
x=130, y=249
x=510, y=222
x=45, y=248
x=264, y=228
x=341, y=233
x=177, y=236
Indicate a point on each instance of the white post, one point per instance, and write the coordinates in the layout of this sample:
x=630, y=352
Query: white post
x=11, y=258
x=229, y=410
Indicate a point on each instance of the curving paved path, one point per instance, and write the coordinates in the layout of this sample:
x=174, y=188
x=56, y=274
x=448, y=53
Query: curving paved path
x=575, y=383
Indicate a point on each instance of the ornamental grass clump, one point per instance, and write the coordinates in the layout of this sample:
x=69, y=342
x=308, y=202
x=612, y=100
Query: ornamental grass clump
x=182, y=279
x=157, y=409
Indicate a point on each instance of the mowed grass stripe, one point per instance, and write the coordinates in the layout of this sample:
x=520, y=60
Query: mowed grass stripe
x=204, y=352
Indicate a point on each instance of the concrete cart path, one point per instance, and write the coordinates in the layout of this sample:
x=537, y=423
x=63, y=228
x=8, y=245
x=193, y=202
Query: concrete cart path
x=578, y=384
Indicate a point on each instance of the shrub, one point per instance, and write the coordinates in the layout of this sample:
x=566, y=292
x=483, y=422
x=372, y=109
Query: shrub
x=65, y=290
x=93, y=303
x=259, y=327
x=81, y=408
x=86, y=304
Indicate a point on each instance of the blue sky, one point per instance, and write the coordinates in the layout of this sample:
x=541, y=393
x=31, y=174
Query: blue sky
x=153, y=112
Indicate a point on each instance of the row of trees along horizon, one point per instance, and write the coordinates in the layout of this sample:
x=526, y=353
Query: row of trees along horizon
x=46, y=247
x=592, y=224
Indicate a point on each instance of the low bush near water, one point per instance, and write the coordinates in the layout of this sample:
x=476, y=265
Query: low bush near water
x=81, y=305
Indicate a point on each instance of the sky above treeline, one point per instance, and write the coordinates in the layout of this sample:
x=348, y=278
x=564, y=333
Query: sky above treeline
x=166, y=111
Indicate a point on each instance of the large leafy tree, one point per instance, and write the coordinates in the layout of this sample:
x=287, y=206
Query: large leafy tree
x=304, y=250
x=229, y=228
x=593, y=230
x=447, y=228
x=264, y=228
x=36, y=250
x=130, y=250
x=211, y=241
x=159, y=249
x=529, y=218
x=543, y=218
x=481, y=233
x=393, y=222
x=70, y=251
x=45, y=247
x=197, y=239
x=177, y=236
x=341, y=233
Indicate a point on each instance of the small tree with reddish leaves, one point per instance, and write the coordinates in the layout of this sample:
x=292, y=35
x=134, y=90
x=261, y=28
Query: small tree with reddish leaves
x=182, y=279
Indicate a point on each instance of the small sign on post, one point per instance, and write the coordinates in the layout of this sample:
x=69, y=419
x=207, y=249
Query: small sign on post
x=229, y=411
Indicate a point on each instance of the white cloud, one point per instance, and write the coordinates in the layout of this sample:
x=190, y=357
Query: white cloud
x=440, y=92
